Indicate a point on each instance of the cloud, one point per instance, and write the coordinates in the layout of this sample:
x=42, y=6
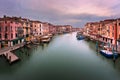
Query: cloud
x=74, y=12
x=96, y=7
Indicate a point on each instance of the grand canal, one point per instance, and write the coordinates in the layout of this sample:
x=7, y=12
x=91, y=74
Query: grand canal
x=64, y=58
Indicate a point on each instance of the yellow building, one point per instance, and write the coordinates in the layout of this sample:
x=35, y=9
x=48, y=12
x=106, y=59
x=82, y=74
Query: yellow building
x=26, y=26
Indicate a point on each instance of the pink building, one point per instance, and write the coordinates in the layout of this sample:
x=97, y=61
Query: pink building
x=52, y=29
x=26, y=24
x=11, y=31
x=60, y=29
x=45, y=28
x=68, y=28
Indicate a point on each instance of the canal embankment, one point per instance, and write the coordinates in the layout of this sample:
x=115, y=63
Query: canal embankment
x=11, y=57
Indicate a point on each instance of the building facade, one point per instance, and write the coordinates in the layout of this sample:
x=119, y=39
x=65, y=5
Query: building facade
x=45, y=28
x=11, y=31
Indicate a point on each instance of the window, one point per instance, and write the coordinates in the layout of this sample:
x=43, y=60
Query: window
x=111, y=41
x=11, y=35
x=6, y=35
x=109, y=34
x=15, y=28
x=30, y=25
x=5, y=22
x=26, y=24
x=0, y=35
x=11, y=28
x=16, y=35
x=112, y=34
x=16, y=22
x=6, y=28
x=113, y=27
x=0, y=29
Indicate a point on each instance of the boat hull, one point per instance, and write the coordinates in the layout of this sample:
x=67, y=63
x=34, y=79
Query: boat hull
x=80, y=37
x=108, y=54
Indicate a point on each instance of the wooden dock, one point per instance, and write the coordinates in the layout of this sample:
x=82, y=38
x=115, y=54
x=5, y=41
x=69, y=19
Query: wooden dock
x=11, y=57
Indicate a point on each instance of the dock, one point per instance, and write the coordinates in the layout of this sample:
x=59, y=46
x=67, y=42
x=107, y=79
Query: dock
x=11, y=57
x=7, y=52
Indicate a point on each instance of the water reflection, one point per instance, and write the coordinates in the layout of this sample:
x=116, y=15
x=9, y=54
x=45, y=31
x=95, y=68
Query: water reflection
x=64, y=58
x=44, y=45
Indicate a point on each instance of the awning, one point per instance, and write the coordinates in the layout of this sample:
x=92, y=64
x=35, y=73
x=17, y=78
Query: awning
x=106, y=37
x=17, y=39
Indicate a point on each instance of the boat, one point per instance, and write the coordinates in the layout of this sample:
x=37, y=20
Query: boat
x=45, y=39
x=78, y=34
x=80, y=37
x=109, y=54
x=50, y=35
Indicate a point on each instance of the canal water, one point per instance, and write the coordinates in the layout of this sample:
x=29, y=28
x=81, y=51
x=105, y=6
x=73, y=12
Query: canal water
x=64, y=58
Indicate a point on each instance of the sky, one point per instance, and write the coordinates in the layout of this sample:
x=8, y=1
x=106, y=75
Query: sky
x=62, y=12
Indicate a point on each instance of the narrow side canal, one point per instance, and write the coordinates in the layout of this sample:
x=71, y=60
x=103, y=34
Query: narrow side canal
x=64, y=58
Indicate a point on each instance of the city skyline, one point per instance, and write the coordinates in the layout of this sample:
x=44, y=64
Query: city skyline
x=76, y=13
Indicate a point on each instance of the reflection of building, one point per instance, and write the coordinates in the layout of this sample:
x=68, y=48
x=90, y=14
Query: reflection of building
x=11, y=31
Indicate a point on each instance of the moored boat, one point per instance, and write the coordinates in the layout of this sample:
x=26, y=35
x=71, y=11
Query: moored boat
x=109, y=54
x=50, y=35
x=45, y=39
x=80, y=37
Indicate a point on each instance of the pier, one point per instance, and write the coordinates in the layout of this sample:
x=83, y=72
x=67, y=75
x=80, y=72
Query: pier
x=11, y=57
x=7, y=52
